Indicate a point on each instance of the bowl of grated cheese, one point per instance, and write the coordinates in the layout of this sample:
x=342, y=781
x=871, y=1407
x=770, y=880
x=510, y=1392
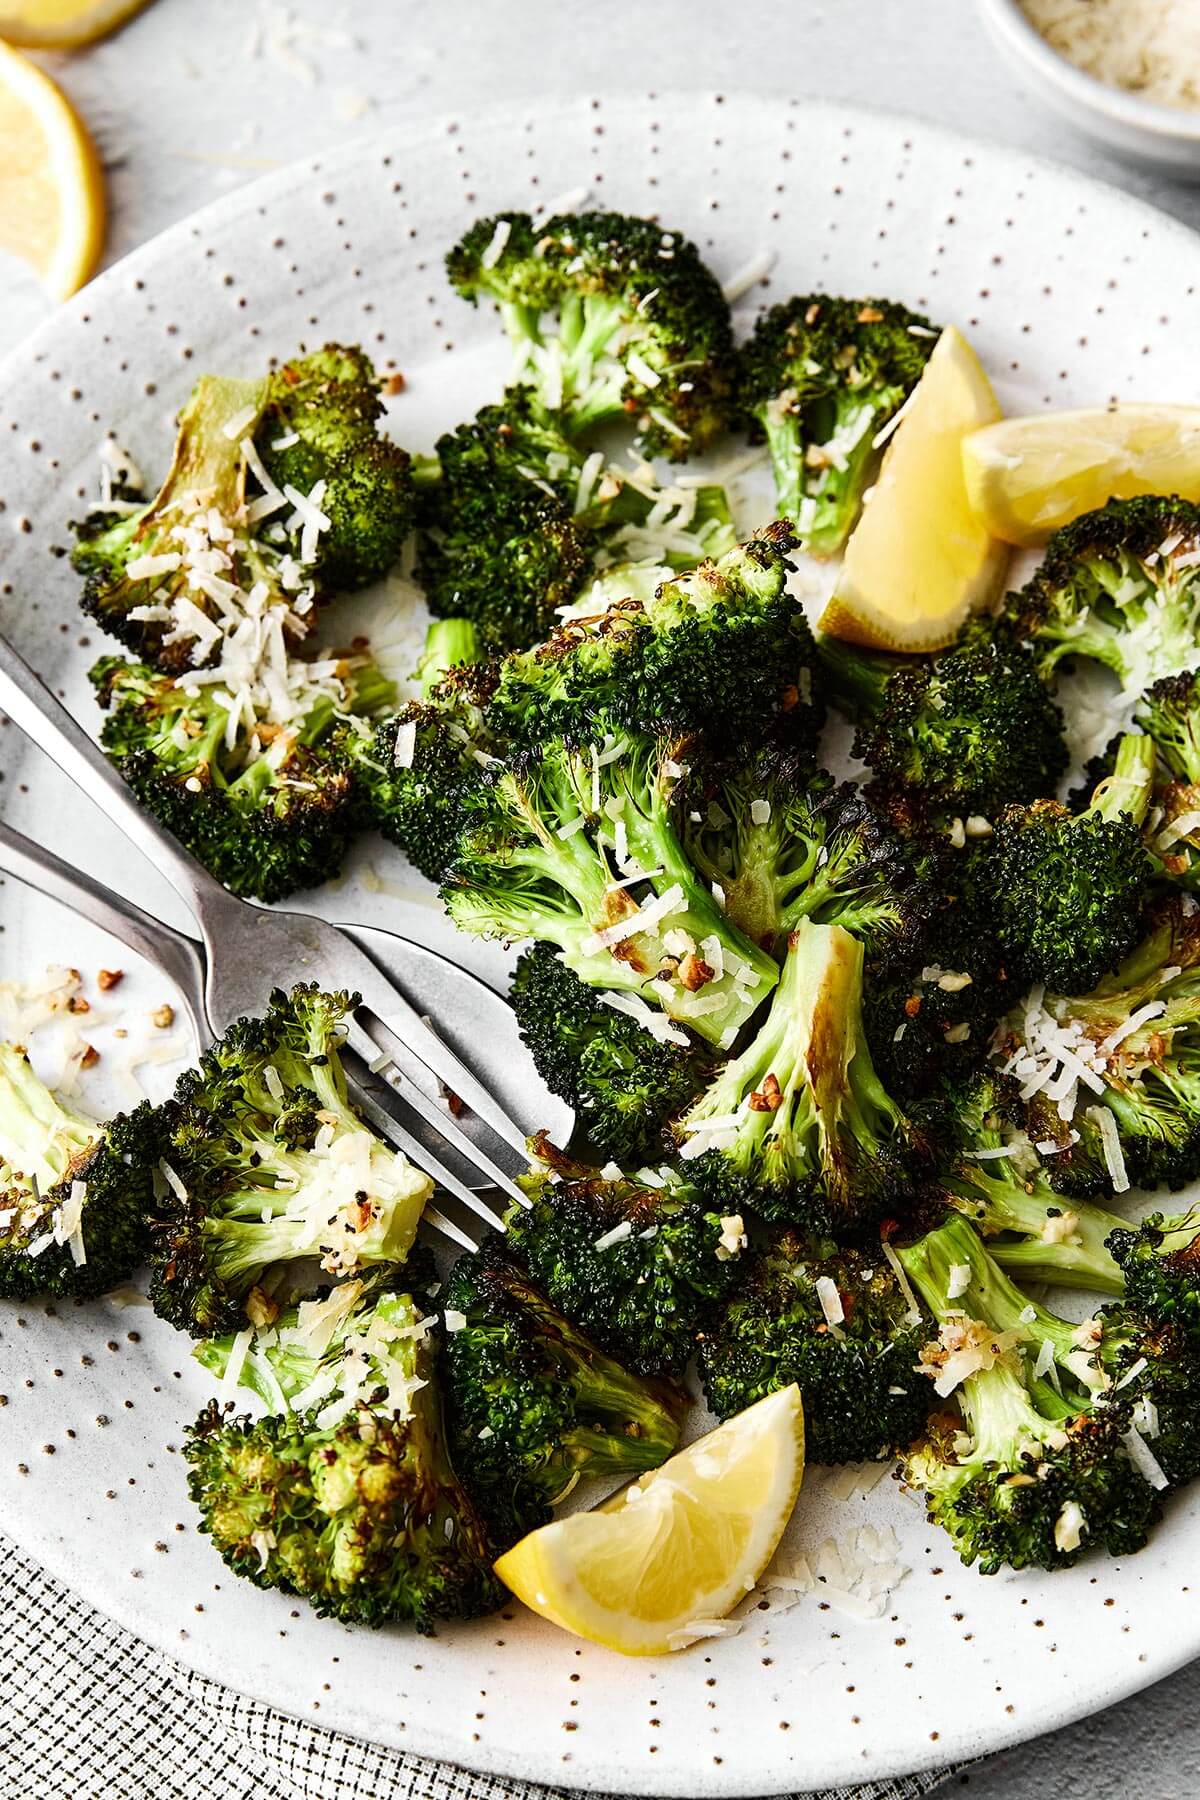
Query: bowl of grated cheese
x=1127, y=72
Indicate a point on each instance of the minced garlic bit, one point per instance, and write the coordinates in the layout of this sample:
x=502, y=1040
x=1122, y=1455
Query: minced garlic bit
x=962, y=1347
x=733, y=1238
x=1069, y=1527
x=163, y=1017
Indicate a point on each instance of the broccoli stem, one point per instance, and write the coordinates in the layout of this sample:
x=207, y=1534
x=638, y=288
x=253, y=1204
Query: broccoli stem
x=1000, y=1204
x=1127, y=792
x=856, y=681
x=41, y=1136
x=448, y=643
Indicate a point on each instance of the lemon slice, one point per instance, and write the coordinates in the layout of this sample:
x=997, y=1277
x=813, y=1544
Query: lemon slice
x=51, y=187
x=677, y=1549
x=919, y=562
x=1026, y=477
x=62, y=24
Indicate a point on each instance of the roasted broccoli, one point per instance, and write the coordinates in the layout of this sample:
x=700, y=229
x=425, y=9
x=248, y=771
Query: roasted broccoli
x=1119, y=586
x=819, y=379
x=319, y=440
x=221, y=545
x=533, y=1405
x=837, y=1323
x=1160, y=1262
x=638, y=1262
x=413, y=772
x=256, y=788
x=785, y=842
x=996, y=1179
x=799, y=1126
x=1120, y=1068
x=269, y=1164
x=609, y=316
x=624, y=1084
x=1071, y=889
x=1032, y=1474
x=968, y=731
x=577, y=847
x=721, y=651
x=349, y=1500
x=75, y=1196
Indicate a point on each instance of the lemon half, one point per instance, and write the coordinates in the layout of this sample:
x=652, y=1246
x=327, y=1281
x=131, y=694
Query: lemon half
x=62, y=24
x=51, y=186
x=919, y=562
x=678, y=1547
x=1026, y=477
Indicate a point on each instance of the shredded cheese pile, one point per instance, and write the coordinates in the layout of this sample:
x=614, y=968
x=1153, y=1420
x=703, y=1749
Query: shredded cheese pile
x=1148, y=47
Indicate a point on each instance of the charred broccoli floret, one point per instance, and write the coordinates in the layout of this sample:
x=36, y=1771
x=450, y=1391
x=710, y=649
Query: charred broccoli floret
x=722, y=651
x=270, y=1165
x=968, y=730
x=836, y=1323
x=819, y=379
x=1032, y=1474
x=1160, y=1262
x=638, y=1262
x=577, y=847
x=624, y=1084
x=609, y=316
x=1119, y=586
x=799, y=1126
x=785, y=842
x=347, y=1495
x=534, y=1406
x=266, y=802
x=1071, y=889
x=75, y=1196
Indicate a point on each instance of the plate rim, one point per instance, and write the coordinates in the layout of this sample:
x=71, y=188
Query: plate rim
x=437, y=1744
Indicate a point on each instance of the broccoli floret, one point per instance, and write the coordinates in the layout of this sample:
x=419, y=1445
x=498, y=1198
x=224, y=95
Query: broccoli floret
x=1070, y=890
x=799, y=1126
x=639, y=1268
x=969, y=730
x=1136, y=1040
x=609, y=316
x=721, y=651
x=624, y=1085
x=1169, y=713
x=267, y=806
x=998, y=1182
x=784, y=843
x=819, y=379
x=75, y=1196
x=577, y=847
x=414, y=771
x=321, y=426
x=1031, y=1475
x=1160, y=1261
x=835, y=1322
x=350, y=1501
x=271, y=1165
x=534, y=1406
x=1119, y=586
x=518, y=528
x=931, y=1014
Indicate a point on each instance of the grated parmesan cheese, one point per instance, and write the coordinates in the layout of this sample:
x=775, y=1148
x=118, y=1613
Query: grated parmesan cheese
x=1147, y=47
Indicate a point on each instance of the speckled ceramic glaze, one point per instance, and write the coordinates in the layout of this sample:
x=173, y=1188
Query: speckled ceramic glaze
x=1073, y=296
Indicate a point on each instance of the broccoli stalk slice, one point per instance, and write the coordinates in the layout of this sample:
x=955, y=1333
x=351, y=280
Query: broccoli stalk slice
x=800, y=1124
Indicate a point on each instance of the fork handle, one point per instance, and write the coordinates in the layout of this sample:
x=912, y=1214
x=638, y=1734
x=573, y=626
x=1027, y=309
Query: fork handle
x=177, y=956
x=29, y=703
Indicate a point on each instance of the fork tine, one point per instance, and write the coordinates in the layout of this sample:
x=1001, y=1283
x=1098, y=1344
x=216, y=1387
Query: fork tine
x=442, y=1121
x=389, y=1128
x=438, y=1057
x=437, y=1221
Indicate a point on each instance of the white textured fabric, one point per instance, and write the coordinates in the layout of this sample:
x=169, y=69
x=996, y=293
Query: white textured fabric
x=90, y=1713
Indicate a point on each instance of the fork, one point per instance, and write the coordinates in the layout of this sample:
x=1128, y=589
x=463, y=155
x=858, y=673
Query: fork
x=244, y=951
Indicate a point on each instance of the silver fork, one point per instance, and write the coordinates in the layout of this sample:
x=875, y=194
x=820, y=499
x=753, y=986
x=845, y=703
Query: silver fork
x=245, y=951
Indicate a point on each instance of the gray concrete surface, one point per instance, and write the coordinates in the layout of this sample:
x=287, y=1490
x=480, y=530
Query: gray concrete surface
x=197, y=96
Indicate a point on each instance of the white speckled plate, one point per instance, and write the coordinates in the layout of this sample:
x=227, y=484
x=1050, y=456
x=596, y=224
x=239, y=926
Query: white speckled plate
x=1073, y=295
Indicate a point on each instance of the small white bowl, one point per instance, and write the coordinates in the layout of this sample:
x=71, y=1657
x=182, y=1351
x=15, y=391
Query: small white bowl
x=1164, y=137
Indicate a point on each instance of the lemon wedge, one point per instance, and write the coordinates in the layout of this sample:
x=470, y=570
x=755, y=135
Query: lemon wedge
x=51, y=187
x=1026, y=477
x=652, y=1567
x=919, y=562
x=63, y=24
